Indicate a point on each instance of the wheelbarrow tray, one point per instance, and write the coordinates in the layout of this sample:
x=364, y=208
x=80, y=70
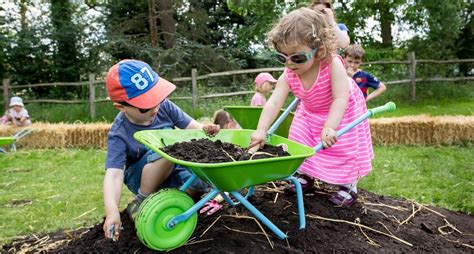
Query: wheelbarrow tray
x=248, y=116
x=236, y=175
x=7, y=140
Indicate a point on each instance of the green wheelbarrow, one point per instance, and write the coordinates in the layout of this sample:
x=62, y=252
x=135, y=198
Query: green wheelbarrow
x=11, y=141
x=247, y=117
x=168, y=218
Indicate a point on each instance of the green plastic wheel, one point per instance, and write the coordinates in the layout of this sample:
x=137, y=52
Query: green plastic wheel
x=156, y=211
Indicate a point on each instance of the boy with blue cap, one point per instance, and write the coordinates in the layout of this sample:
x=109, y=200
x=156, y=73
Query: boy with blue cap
x=140, y=95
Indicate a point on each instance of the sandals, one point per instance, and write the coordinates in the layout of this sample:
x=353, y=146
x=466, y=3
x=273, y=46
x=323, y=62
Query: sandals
x=342, y=201
x=306, y=186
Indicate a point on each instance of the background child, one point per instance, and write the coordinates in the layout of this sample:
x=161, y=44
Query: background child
x=340, y=30
x=17, y=115
x=140, y=95
x=329, y=101
x=354, y=58
x=225, y=120
x=263, y=85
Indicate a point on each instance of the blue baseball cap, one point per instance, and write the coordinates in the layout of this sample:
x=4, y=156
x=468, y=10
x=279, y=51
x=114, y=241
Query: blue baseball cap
x=135, y=82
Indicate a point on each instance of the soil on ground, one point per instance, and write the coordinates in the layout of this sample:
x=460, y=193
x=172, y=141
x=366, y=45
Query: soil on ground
x=374, y=224
x=404, y=226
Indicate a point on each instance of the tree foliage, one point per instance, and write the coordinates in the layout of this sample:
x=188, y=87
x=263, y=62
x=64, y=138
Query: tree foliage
x=65, y=43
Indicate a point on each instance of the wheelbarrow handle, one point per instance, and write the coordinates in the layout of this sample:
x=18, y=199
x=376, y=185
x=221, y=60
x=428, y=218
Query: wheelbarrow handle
x=388, y=107
x=283, y=116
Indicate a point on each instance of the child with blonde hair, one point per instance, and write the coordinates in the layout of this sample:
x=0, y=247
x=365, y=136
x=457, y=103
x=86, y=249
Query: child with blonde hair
x=263, y=85
x=330, y=100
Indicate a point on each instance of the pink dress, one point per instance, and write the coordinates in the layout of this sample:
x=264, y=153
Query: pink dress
x=350, y=158
x=258, y=99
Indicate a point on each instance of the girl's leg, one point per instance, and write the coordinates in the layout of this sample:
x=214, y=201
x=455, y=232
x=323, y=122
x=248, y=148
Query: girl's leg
x=4, y=119
x=346, y=196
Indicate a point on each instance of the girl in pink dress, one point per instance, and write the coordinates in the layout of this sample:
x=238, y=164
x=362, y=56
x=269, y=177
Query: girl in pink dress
x=329, y=101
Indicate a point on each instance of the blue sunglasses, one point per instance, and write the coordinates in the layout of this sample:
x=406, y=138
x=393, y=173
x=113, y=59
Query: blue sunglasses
x=297, y=58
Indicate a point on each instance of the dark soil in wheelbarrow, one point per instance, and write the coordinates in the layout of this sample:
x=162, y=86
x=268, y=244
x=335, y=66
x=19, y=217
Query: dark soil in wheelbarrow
x=404, y=227
x=375, y=224
x=207, y=151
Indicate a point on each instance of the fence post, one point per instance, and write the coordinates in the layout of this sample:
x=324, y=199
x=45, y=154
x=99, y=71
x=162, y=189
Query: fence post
x=92, y=95
x=195, y=89
x=412, y=59
x=6, y=93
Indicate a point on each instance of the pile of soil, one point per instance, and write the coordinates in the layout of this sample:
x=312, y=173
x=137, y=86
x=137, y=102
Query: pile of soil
x=374, y=224
x=208, y=151
x=404, y=226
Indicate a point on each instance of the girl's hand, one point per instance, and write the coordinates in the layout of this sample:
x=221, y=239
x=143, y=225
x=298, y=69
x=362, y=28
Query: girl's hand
x=258, y=138
x=112, y=225
x=211, y=129
x=328, y=137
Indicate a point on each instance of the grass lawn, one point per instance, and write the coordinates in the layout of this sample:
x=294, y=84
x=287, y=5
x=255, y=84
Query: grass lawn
x=48, y=190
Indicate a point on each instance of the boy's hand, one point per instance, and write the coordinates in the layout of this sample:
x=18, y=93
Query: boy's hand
x=211, y=129
x=350, y=72
x=112, y=226
x=328, y=137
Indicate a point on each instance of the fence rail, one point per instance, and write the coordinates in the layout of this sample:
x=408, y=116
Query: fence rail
x=412, y=79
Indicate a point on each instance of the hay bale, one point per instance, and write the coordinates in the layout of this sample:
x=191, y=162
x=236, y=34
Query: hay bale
x=454, y=130
x=414, y=130
x=423, y=130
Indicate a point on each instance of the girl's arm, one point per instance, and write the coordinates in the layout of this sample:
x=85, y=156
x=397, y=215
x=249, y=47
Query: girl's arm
x=270, y=111
x=340, y=95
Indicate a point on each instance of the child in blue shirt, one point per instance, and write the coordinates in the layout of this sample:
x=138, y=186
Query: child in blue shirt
x=354, y=57
x=140, y=95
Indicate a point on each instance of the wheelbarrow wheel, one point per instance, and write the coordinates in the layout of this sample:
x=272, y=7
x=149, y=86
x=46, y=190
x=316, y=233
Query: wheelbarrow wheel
x=156, y=211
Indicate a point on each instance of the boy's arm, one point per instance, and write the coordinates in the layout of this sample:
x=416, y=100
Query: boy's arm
x=112, y=191
x=194, y=125
x=377, y=91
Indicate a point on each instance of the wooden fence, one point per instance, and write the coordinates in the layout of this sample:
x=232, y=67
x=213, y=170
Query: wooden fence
x=412, y=80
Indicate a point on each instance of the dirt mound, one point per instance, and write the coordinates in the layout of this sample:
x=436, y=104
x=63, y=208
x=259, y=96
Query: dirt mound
x=403, y=226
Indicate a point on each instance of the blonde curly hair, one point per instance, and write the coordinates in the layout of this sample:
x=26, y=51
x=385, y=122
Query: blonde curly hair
x=303, y=26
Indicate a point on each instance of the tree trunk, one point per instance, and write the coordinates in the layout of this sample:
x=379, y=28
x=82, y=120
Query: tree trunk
x=152, y=22
x=386, y=20
x=167, y=22
x=23, y=9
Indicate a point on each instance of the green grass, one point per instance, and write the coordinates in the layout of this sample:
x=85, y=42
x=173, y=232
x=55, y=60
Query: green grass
x=441, y=176
x=45, y=190
x=48, y=190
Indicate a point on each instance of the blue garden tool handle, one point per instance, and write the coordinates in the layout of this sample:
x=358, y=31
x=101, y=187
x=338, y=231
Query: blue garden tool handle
x=388, y=107
x=283, y=116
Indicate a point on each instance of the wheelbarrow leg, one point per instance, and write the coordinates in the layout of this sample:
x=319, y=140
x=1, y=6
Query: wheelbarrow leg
x=259, y=215
x=184, y=216
x=299, y=199
x=231, y=202
x=188, y=182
